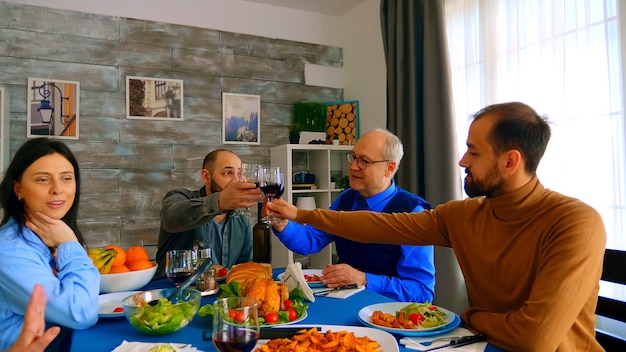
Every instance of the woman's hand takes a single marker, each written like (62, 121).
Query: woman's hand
(51, 232)
(33, 338)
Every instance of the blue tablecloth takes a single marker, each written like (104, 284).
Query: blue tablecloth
(109, 333)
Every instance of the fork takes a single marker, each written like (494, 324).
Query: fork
(428, 343)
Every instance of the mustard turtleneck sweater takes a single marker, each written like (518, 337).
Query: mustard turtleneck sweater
(531, 260)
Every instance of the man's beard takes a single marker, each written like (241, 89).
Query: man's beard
(490, 186)
(214, 187)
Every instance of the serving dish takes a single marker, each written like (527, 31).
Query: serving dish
(386, 341)
(452, 320)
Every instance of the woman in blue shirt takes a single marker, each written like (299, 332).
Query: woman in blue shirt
(40, 242)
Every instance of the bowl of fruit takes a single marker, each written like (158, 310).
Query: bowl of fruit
(122, 270)
(162, 316)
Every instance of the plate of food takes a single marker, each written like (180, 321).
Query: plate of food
(358, 335)
(110, 304)
(312, 276)
(417, 319)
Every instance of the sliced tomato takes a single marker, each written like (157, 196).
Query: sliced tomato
(118, 310)
(416, 318)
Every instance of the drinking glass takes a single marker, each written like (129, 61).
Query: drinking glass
(179, 265)
(272, 184)
(249, 173)
(235, 324)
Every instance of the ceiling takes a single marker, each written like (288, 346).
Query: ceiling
(329, 7)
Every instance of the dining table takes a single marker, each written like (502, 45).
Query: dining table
(108, 333)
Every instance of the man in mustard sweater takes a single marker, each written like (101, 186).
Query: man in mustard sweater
(531, 257)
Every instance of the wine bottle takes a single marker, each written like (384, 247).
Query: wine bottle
(261, 239)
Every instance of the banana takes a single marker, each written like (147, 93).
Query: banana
(102, 258)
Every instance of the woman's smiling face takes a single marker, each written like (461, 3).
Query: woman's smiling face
(48, 186)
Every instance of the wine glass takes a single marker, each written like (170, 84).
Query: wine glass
(249, 173)
(179, 265)
(235, 324)
(272, 185)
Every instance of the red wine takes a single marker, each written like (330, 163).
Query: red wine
(273, 190)
(179, 277)
(236, 340)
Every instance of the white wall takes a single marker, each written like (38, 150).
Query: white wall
(357, 32)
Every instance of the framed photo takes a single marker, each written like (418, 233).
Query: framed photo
(241, 118)
(150, 98)
(53, 108)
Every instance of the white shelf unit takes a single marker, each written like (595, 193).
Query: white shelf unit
(322, 160)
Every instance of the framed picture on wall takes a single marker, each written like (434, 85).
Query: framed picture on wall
(53, 108)
(241, 118)
(149, 98)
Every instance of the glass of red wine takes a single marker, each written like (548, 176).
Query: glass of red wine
(179, 265)
(235, 324)
(272, 184)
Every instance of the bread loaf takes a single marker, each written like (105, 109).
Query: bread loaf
(249, 270)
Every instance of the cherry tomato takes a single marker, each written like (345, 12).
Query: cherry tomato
(241, 316)
(288, 303)
(118, 310)
(416, 318)
(222, 272)
(293, 314)
(271, 318)
(232, 313)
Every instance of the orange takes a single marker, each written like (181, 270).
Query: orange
(140, 264)
(119, 269)
(136, 253)
(120, 259)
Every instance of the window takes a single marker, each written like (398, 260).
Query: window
(562, 57)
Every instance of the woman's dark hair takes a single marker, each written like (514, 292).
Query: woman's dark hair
(28, 153)
(518, 127)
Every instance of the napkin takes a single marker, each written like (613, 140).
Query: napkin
(294, 277)
(341, 293)
(146, 346)
(413, 343)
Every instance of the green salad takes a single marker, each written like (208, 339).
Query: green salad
(296, 309)
(162, 318)
(424, 315)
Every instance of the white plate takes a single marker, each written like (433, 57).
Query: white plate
(386, 341)
(310, 272)
(108, 302)
(451, 319)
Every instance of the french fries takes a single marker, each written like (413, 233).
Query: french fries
(312, 340)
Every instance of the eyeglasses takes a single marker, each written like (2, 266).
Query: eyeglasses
(362, 164)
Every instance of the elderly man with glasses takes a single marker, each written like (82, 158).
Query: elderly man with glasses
(403, 273)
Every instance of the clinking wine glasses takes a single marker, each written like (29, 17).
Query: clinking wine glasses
(249, 173)
(272, 184)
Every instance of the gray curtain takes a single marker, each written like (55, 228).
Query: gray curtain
(419, 112)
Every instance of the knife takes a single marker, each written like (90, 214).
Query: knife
(465, 340)
(283, 333)
(346, 287)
